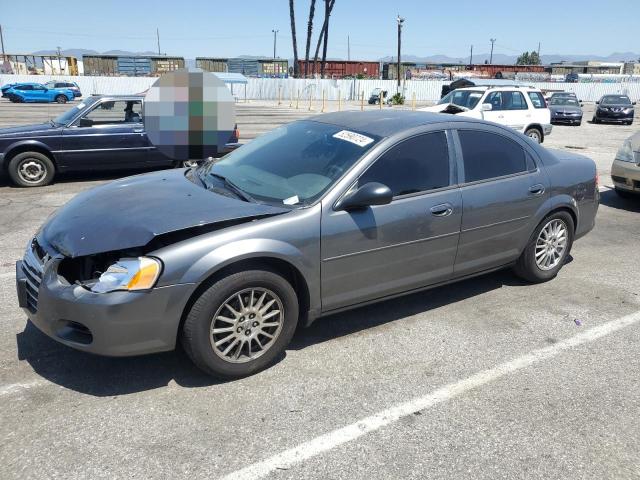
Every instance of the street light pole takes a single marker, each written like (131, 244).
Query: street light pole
(275, 33)
(493, 40)
(400, 22)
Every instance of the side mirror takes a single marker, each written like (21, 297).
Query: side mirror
(486, 107)
(598, 102)
(633, 103)
(372, 193)
(86, 122)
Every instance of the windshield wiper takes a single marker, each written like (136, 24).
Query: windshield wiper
(234, 188)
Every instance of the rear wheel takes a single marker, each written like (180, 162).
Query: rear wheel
(595, 120)
(241, 324)
(534, 134)
(548, 249)
(31, 169)
(61, 99)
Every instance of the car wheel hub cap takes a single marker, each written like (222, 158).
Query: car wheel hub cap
(551, 245)
(31, 171)
(246, 325)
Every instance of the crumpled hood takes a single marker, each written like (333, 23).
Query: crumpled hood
(445, 108)
(24, 129)
(130, 212)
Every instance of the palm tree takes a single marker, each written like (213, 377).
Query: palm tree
(312, 10)
(323, 34)
(293, 36)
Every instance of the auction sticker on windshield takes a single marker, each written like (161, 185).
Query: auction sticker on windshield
(353, 137)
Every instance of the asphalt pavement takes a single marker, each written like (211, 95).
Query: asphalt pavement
(488, 378)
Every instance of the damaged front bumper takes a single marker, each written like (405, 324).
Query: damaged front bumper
(118, 323)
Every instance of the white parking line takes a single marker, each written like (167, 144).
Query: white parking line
(331, 440)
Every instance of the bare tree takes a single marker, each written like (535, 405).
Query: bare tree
(323, 35)
(293, 37)
(312, 11)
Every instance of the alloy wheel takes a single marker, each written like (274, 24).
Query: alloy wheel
(246, 325)
(551, 244)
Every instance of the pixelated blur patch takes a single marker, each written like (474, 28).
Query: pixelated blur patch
(189, 114)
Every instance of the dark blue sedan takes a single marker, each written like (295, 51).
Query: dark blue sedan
(101, 133)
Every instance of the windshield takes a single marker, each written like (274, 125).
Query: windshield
(293, 164)
(564, 101)
(70, 114)
(615, 100)
(463, 98)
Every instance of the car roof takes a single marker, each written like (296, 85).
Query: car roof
(384, 123)
(501, 88)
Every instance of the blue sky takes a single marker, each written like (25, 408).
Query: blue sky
(193, 28)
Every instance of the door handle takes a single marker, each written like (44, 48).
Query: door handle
(442, 210)
(138, 130)
(536, 189)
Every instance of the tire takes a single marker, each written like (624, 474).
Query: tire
(61, 99)
(206, 313)
(579, 123)
(31, 169)
(534, 134)
(527, 267)
(595, 120)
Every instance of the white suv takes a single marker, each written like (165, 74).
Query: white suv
(521, 108)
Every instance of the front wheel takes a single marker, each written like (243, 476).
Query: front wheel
(547, 250)
(61, 99)
(534, 134)
(31, 169)
(241, 324)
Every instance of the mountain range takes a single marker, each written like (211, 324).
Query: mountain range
(498, 58)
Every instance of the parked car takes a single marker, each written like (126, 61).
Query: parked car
(521, 108)
(374, 98)
(36, 92)
(614, 109)
(565, 109)
(57, 84)
(572, 77)
(625, 171)
(459, 83)
(315, 217)
(101, 133)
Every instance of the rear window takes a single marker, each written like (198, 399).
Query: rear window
(489, 155)
(537, 99)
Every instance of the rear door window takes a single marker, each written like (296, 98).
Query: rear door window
(489, 155)
(418, 164)
(514, 101)
(537, 100)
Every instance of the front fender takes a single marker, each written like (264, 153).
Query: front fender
(30, 143)
(233, 252)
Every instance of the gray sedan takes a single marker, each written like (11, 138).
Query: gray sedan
(566, 110)
(313, 218)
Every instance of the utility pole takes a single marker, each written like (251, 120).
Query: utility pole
(539, 60)
(275, 35)
(400, 22)
(348, 48)
(2, 44)
(493, 40)
(158, 37)
(471, 58)
(59, 61)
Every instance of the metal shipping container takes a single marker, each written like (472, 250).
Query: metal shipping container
(212, 64)
(342, 68)
(273, 68)
(160, 65)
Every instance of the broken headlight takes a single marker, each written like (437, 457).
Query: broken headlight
(129, 274)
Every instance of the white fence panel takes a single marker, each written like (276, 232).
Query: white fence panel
(288, 90)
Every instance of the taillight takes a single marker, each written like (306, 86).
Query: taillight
(597, 181)
(236, 133)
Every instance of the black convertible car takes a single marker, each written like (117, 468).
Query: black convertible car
(101, 133)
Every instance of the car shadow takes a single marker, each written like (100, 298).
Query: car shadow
(611, 199)
(108, 376)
